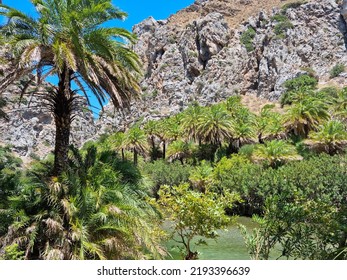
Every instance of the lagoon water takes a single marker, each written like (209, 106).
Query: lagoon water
(228, 246)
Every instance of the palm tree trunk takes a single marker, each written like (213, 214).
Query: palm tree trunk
(135, 157)
(62, 138)
(62, 109)
(153, 154)
(164, 149)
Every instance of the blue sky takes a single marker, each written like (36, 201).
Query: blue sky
(137, 11)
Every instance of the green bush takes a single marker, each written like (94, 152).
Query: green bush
(282, 27)
(10, 175)
(247, 39)
(306, 209)
(280, 18)
(303, 83)
(163, 173)
(337, 70)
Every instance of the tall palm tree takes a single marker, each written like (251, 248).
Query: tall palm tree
(151, 129)
(269, 124)
(330, 137)
(243, 128)
(190, 122)
(67, 40)
(135, 139)
(117, 141)
(215, 124)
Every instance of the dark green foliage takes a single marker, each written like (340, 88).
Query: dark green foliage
(282, 27)
(280, 18)
(9, 180)
(337, 70)
(283, 24)
(303, 84)
(239, 175)
(302, 203)
(163, 173)
(307, 211)
(247, 39)
(86, 213)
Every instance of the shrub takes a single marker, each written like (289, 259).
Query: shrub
(302, 82)
(247, 39)
(337, 70)
(282, 27)
(306, 211)
(163, 173)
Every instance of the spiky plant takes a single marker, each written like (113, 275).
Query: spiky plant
(304, 116)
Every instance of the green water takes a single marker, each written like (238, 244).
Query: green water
(228, 246)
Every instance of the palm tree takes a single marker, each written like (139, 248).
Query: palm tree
(330, 137)
(135, 139)
(269, 124)
(67, 40)
(304, 116)
(243, 128)
(179, 150)
(340, 104)
(117, 141)
(86, 213)
(151, 129)
(275, 153)
(215, 124)
(190, 122)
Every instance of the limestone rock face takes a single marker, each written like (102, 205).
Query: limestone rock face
(200, 55)
(204, 60)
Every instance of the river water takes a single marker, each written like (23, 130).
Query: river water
(228, 246)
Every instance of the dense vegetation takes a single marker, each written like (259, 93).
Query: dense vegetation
(285, 166)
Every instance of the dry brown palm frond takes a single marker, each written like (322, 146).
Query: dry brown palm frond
(53, 227)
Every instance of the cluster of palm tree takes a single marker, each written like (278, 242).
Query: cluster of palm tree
(316, 116)
(90, 212)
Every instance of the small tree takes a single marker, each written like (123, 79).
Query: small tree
(194, 214)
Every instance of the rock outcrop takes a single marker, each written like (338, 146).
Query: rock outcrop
(207, 59)
(204, 53)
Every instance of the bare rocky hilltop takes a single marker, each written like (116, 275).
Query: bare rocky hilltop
(206, 53)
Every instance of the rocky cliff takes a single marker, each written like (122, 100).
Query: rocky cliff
(207, 52)
(204, 53)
